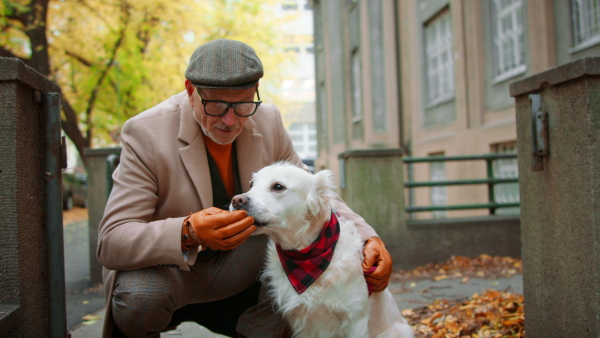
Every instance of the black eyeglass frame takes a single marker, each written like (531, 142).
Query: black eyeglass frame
(230, 105)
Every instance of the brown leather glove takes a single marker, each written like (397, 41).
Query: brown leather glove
(377, 256)
(217, 229)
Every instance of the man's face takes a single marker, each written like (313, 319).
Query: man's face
(225, 128)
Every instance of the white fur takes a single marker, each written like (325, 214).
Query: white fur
(296, 205)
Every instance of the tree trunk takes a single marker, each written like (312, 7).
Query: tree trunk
(34, 21)
(71, 127)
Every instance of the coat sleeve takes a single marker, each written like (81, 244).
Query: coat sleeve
(286, 152)
(128, 238)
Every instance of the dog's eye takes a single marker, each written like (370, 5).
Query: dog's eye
(278, 187)
(251, 184)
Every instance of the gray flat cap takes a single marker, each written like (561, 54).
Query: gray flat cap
(224, 64)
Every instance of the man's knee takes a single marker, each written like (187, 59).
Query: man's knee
(144, 300)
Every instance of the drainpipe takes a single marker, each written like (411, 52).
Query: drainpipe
(405, 147)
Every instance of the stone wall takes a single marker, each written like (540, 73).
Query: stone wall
(98, 180)
(24, 268)
(560, 201)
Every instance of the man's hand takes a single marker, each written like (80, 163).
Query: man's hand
(219, 229)
(377, 256)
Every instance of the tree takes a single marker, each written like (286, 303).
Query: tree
(115, 58)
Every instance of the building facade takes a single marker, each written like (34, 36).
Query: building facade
(431, 77)
(297, 91)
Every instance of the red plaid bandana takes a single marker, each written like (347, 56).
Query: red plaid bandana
(304, 266)
(369, 286)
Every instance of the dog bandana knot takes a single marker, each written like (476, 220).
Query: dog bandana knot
(369, 286)
(303, 267)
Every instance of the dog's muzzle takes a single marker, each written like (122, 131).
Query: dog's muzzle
(242, 202)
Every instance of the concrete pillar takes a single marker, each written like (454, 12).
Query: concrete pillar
(96, 167)
(560, 199)
(372, 184)
(24, 261)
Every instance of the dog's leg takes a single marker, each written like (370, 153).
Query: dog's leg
(359, 329)
(385, 319)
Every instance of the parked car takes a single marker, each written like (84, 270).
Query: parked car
(74, 190)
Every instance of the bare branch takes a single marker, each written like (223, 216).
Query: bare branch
(78, 58)
(94, 94)
(71, 127)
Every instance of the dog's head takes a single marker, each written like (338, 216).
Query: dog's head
(288, 203)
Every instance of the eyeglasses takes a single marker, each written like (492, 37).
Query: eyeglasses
(219, 108)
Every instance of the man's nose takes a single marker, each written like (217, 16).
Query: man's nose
(230, 118)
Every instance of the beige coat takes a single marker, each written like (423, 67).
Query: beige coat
(163, 176)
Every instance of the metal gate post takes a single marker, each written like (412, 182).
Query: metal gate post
(53, 158)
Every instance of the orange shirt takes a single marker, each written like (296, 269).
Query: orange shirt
(222, 156)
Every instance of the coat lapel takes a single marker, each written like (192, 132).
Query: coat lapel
(193, 155)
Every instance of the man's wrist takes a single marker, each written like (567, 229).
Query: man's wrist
(187, 242)
(370, 239)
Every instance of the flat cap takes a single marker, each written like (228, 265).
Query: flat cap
(224, 64)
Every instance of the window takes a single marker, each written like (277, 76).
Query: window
(295, 5)
(506, 168)
(304, 139)
(356, 87)
(289, 5)
(439, 59)
(508, 43)
(586, 22)
(438, 194)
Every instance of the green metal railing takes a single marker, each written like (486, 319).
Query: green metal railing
(490, 181)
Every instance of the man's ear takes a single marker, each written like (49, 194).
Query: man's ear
(189, 88)
(320, 198)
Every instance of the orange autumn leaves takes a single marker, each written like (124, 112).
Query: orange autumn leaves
(493, 314)
(482, 266)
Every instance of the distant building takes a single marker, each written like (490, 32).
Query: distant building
(431, 77)
(298, 87)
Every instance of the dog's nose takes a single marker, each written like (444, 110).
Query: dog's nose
(239, 201)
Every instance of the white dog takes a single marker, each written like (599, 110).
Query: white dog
(294, 208)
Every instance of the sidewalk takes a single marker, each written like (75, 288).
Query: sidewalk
(82, 297)
(85, 300)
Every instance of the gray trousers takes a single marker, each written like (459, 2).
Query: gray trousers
(146, 301)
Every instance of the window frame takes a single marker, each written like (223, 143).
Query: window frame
(438, 194)
(356, 74)
(577, 12)
(515, 37)
(437, 41)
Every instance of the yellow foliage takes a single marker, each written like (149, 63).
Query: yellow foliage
(114, 59)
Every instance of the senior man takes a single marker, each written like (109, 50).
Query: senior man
(169, 250)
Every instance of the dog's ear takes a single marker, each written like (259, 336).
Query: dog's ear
(320, 198)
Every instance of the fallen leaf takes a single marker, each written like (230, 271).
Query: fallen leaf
(489, 314)
(439, 278)
(90, 317)
(482, 266)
